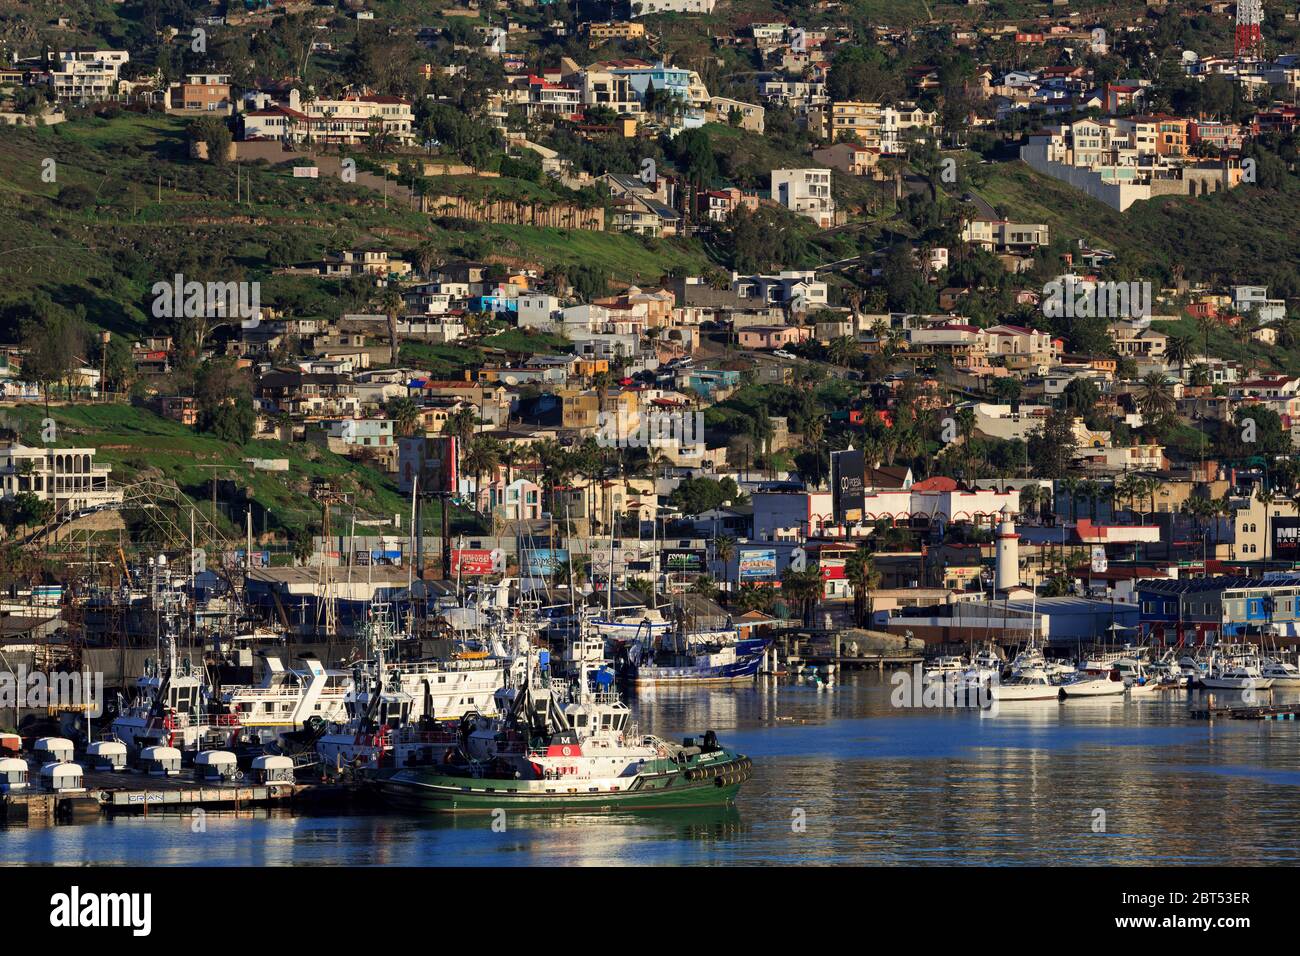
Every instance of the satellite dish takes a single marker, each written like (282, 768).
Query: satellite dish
(1189, 56)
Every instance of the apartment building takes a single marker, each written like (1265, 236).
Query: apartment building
(999, 235)
(204, 91)
(67, 477)
(86, 74)
(855, 121)
(806, 192)
(616, 31)
(354, 118)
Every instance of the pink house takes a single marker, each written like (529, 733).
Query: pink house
(773, 336)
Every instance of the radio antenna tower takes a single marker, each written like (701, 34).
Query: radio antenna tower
(1249, 37)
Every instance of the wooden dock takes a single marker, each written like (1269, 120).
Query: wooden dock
(1249, 712)
(878, 661)
(138, 793)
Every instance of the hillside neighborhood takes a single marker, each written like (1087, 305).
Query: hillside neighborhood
(826, 266)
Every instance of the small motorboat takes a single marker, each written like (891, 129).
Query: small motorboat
(1030, 684)
(1094, 683)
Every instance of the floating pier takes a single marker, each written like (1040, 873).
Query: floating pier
(108, 793)
(1249, 712)
(878, 661)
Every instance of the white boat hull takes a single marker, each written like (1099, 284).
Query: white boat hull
(1101, 687)
(1236, 683)
(1006, 693)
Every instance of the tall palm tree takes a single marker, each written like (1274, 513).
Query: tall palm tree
(1126, 487)
(803, 588)
(1090, 491)
(481, 457)
(814, 432)
(725, 547)
(391, 303)
(461, 425)
(1181, 349)
(511, 455)
(1030, 496)
(860, 569)
(1071, 486)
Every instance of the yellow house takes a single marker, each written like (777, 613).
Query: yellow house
(580, 408)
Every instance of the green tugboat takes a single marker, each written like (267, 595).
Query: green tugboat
(566, 746)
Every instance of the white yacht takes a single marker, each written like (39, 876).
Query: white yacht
(1029, 684)
(1281, 673)
(1094, 683)
(1241, 674)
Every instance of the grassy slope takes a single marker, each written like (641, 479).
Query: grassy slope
(137, 442)
(65, 252)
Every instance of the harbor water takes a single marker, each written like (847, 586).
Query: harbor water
(841, 777)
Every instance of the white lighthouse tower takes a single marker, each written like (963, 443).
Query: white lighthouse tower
(1007, 569)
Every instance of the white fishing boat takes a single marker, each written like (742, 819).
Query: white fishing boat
(288, 698)
(169, 706)
(1281, 673)
(1060, 670)
(1137, 677)
(396, 712)
(1031, 658)
(1236, 674)
(640, 625)
(1030, 684)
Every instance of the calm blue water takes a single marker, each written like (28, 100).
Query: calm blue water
(841, 777)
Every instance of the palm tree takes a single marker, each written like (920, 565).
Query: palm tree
(405, 415)
(860, 569)
(843, 350)
(803, 588)
(426, 257)
(480, 458)
(1126, 487)
(461, 425)
(814, 431)
(1030, 496)
(1091, 491)
(511, 455)
(1157, 398)
(391, 303)
(724, 547)
(1181, 349)
(1071, 486)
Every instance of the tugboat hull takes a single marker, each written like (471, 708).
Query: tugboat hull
(434, 790)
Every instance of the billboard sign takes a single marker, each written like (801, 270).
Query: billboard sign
(757, 565)
(684, 561)
(1286, 538)
(472, 562)
(437, 465)
(544, 562)
(848, 484)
